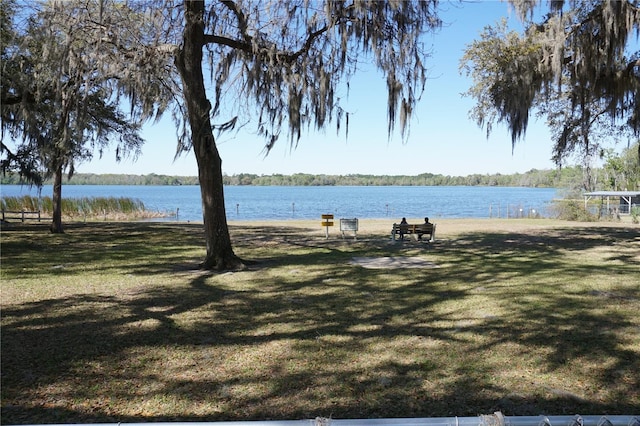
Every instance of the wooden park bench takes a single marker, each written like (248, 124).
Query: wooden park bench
(418, 230)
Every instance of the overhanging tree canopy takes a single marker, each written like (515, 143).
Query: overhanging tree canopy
(283, 60)
(577, 65)
(62, 86)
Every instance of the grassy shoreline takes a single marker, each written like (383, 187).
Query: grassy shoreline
(114, 322)
(83, 208)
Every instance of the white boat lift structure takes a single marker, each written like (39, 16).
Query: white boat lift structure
(624, 199)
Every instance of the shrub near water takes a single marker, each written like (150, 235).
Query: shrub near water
(635, 214)
(90, 207)
(572, 210)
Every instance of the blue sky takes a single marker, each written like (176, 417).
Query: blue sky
(443, 140)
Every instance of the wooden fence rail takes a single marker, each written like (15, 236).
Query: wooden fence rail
(23, 215)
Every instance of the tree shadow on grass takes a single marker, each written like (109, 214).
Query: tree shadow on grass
(326, 338)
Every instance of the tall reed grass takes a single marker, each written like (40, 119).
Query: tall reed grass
(88, 207)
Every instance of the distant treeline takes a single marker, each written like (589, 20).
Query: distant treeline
(533, 179)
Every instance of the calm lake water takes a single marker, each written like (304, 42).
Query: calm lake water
(309, 202)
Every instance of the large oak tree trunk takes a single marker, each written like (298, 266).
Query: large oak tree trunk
(56, 223)
(220, 255)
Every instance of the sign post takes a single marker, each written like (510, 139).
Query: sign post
(327, 221)
(349, 225)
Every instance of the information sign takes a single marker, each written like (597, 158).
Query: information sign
(349, 225)
(327, 221)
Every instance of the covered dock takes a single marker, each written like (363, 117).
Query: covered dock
(620, 200)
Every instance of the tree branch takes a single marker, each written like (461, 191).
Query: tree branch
(226, 41)
(10, 99)
(633, 64)
(243, 26)
(307, 45)
(247, 40)
(246, 46)
(24, 169)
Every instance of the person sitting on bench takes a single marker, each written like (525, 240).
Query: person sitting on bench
(404, 227)
(426, 222)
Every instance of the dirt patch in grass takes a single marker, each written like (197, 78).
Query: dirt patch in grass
(388, 262)
(112, 322)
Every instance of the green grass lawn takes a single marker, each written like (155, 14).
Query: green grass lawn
(115, 323)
